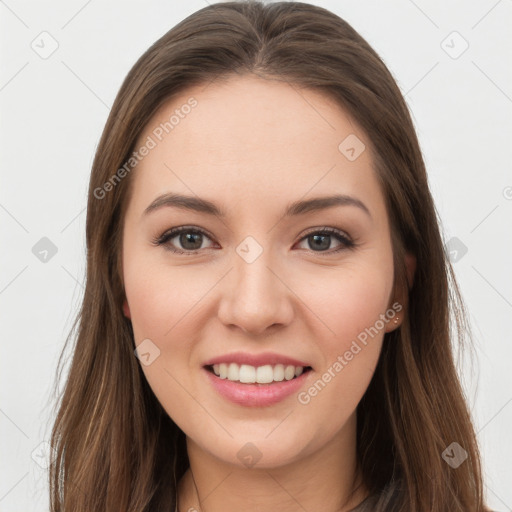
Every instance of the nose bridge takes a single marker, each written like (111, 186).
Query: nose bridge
(255, 298)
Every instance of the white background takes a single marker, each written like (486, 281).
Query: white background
(52, 114)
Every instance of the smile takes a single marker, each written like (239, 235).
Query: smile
(265, 374)
(257, 394)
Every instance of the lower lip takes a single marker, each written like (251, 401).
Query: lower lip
(256, 395)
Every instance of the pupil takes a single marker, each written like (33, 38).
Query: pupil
(190, 237)
(321, 245)
(320, 241)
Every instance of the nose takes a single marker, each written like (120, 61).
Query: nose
(255, 297)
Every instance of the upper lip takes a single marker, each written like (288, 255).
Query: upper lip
(256, 360)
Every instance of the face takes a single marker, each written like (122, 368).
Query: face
(313, 285)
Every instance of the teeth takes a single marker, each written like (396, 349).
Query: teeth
(262, 374)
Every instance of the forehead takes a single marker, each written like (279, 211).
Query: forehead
(246, 139)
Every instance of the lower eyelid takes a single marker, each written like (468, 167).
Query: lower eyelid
(344, 240)
(167, 237)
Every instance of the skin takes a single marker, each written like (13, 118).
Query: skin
(253, 146)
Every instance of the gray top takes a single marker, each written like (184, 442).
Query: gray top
(378, 501)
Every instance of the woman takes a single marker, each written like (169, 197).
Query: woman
(266, 316)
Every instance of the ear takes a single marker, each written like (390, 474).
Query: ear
(126, 309)
(402, 296)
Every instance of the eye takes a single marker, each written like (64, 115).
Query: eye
(189, 238)
(321, 239)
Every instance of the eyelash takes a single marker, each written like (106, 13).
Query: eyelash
(346, 242)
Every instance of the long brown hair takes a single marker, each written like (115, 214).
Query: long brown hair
(116, 448)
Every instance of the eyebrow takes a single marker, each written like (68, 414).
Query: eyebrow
(295, 208)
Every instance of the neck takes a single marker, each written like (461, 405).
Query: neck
(327, 480)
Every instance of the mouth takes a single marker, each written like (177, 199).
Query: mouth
(261, 375)
(261, 386)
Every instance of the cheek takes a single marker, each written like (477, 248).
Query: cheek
(350, 333)
(347, 303)
(161, 300)
(158, 297)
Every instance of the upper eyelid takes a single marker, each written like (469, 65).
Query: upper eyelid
(174, 232)
(329, 230)
(179, 229)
